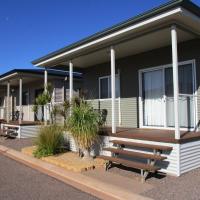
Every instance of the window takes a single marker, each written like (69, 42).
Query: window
(185, 74)
(1, 102)
(105, 87)
(25, 98)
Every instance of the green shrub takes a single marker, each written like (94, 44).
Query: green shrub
(49, 141)
(84, 125)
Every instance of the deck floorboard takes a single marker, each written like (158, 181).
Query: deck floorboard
(157, 135)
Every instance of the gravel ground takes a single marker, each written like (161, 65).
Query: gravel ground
(185, 187)
(16, 144)
(20, 182)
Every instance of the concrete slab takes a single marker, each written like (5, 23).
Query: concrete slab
(129, 184)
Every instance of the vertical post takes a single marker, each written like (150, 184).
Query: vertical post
(20, 100)
(45, 79)
(8, 102)
(175, 80)
(112, 56)
(45, 89)
(70, 81)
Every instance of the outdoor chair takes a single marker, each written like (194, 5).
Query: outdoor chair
(16, 115)
(103, 116)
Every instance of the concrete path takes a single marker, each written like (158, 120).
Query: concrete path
(85, 183)
(124, 183)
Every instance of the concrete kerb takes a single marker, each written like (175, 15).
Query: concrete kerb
(84, 183)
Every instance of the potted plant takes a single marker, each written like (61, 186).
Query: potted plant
(43, 100)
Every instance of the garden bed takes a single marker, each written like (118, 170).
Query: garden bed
(68, 160)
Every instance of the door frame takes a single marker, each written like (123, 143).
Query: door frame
(141, 116)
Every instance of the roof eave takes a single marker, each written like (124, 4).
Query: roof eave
(172, 4)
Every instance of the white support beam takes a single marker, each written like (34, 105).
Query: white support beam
(20, 100)
(45, 89)
(175, 80)
(70, 81)
(112, 57)
(45, 79)
(8, 102)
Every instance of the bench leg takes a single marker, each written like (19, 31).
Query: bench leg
(108, 165)
(144, 175)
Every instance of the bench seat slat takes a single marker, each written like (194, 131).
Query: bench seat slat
(135, 154)
(132, 164)
(142, 145)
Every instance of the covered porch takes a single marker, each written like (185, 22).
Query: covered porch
(167, 31)
(21, 87)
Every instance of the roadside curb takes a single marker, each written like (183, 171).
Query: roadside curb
(84, 183)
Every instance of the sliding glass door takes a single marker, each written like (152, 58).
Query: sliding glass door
(158, 100)
(153, 104)
(186, 96)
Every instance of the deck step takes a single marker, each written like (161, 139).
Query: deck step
(135, 154)
(142, 145)
(132, 164)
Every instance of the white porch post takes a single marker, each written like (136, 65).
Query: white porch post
(175, 80)
(20, 100)
(8, 102)
(45, 79)
(112, 57)
(45, 89)
(70, 81)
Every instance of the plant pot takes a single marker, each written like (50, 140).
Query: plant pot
(86, 154)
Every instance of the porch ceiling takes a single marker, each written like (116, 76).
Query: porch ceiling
(136, 45)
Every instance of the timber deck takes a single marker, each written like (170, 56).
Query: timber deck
(157, 135)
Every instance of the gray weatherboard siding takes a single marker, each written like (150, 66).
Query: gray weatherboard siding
(129, 80)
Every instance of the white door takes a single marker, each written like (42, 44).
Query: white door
(153, 104)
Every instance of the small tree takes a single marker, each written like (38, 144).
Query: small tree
(43, 100)
(83, 124)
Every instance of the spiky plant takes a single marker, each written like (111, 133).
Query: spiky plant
(49, 141)
(83, 124)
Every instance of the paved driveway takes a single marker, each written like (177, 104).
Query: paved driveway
(19, 182)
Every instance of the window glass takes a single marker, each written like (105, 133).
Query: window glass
(185, 76)
(25, 98)
(104, 93)
(105, 87)
(1, 101)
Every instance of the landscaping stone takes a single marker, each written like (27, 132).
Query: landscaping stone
(69, 160)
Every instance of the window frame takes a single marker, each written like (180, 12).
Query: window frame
(117, 86)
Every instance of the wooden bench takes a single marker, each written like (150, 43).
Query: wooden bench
(9, 132)
(151, 158)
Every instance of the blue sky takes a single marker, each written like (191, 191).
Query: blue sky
(30, 29)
